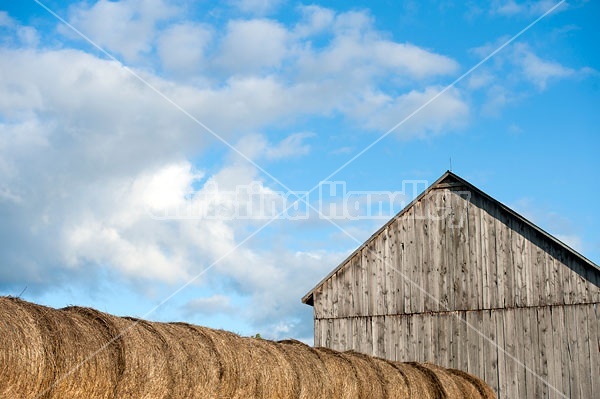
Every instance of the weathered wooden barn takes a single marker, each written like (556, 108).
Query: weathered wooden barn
(459, 279)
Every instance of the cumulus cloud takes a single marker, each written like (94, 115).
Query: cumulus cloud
(181, 48)
(111, 223)
(260, 274)
(106, 110)
(98, 113)
(91, 157)
(315, 20)
(249, 46)
(81, 222)
(448, 111)
(264, 70)
(132, 24)
(355, 43)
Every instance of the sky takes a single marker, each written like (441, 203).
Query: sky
(151, 150)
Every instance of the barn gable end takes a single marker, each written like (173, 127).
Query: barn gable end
(459, 279)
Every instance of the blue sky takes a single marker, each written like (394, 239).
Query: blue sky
(175, 105)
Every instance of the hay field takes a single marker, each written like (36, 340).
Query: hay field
(78, 352)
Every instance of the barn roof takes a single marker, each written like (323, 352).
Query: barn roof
(450, 179)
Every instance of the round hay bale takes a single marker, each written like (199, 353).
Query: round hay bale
(146, 373)
(193, 359)
(439, 383)
(80, 352)
(83, 350)
(342, 373)
(472, 386)
(234, 381)
(310, 375)
(23, 362)
(397, 384)
(370, 379)
(417, 385)
(275, 375)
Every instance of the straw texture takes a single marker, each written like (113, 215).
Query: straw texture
(79, 352)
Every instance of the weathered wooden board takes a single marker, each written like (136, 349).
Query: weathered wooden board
(449, 259)
(593, 317)
(545, 352)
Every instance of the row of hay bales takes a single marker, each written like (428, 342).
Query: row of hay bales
(80, 352)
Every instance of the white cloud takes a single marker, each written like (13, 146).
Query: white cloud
(103, 109)
(94, 110)
(249, 46)
(412, 60)
(66, 224)
(540, 71)
(111, 225)
(479, 79)
(26, 36)
(518, 62)
(257, 147)
(166, 187)
(88, 153)
(448, 111)
(353, 23)
(215, 304)
(182, 48)
(315, 20)
(258, 71)
(513, 73)
(5, 19)
(292, 146)
(131, 24)
(371, 56)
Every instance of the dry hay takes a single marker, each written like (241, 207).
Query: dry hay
(83, 353)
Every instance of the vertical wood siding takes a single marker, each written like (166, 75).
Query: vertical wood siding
(472, 256)
(534, 352)
(456, 260)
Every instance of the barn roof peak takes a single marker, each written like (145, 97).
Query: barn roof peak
(447, 180)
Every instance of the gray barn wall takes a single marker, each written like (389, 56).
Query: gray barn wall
(473, 259)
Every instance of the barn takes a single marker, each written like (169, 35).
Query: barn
(460, 280)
